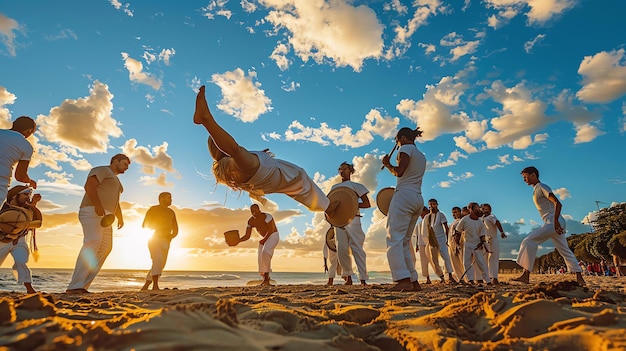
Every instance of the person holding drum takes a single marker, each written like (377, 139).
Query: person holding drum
(258, 172)
(266, 227)
(19, 214)
(405, 207)
(101, 201)
(350, 238)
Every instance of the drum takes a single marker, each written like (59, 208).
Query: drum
(232, 237)
(347, 208)
(383, 199)
(330, 239)
(14, 223)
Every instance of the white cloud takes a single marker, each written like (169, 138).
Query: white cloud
(562, 193)
(279, 55)
(432, 114)
(248, 6)
(161, 180)
(289, 87)
(242, 97)
(6, 98)
(322, 31)
(374, 124)
(397, 6)
(85, 123)
(540, 12)
(8, 26)
(586, 133)
(402, 41)
(529, 45)
(623, 119)
(217, 7)
(166, 54)
(520, 116)
(150, 160)
(136, 74)
(124, 7)
(64, 34)
(604, 77)
(428, 48)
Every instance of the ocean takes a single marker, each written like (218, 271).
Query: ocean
(56, 280)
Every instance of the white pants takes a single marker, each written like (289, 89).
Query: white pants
(351, 239)
(20, 254)
(443, 252)
(265, 253)
(426, 254)
(97, 244)
(404, 209)
(479, 257)
(159, 248)
(530, 244)
(456, 259)
(334, 267)
(493, 257)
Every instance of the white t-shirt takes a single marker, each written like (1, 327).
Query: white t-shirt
(414, 173)
(473, 228)
(279, 176)
(358, 188)
(13, 148)
(436, 221)
(490, 225)
(543, 204)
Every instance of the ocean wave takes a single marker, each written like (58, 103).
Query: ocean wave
(206, 277)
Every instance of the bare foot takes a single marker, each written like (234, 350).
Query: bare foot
(524, 278)
(348, 281)
(363, 282)
(156, 288)
(403, 285)
(416, 286)
(202, 109)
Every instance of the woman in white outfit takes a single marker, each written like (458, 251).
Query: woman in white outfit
(404, 209)
(256, 172)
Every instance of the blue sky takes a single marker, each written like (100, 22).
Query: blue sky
(496, 85)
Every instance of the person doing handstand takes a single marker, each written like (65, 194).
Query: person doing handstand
(256, 172)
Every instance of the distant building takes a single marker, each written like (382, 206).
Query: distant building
(509, 266)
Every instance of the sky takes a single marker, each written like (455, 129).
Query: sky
(496, 86)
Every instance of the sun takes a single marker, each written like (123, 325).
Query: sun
(130, 247)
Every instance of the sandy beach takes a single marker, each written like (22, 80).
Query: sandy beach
(552, 313)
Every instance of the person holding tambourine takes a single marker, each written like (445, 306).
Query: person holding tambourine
(404, 209)
(96, 215)
(19, 216)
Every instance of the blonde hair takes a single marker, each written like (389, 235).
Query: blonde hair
(220, 171)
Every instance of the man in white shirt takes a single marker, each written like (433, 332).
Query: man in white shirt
(15, 149)
(493, 225)
(437, 221)
(351, 237)
(549, 208)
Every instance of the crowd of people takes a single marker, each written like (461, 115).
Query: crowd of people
(468, 247)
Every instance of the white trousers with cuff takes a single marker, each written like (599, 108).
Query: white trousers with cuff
(20, 253)
(404, 210)
(530, 245)
(97, 244)
(159, 248)
(265, 253)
